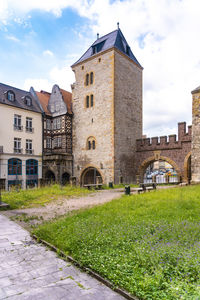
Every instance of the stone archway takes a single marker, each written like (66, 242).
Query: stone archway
(151, 159)
(91, 175)
(187, 168)
(65, 178)
(49, 177)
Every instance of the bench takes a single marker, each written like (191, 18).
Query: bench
(93, 185)
(146, 187)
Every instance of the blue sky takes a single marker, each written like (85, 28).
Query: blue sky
(40, 40)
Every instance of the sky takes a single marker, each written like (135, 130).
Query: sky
(40, 40)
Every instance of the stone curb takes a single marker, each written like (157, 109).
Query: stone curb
(87, 270)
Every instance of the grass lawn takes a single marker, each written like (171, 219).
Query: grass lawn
(40, 196)
(149, 244)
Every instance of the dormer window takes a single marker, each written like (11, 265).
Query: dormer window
(27, 101)
(11, 96)
(98, 47)
(127, 50)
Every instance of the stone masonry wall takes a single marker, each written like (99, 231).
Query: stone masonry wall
(96, 121)
(195, 161)
(128, 116)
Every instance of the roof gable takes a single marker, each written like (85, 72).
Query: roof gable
(56, 103)
(113, 39)
(20, 98)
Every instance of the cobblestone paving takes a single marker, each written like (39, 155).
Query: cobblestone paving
(30, 271)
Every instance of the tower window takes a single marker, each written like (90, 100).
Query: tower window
(127, 50)
(87, 79)
(91, 77)
(98, 47)
(91, 143)
(89, 101)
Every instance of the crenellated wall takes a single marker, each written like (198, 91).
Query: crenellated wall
(166, 142)
(174, 149)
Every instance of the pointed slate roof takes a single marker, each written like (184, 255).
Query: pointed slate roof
(196, 90)
(113, 39)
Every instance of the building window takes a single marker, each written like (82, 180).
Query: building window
(17, 122)
(29, 149)
(14, 166)
(91, 78)
(91, 143)
(48, 122)
(17, 145)
(48, 142)
(57, 123)
(57, 142)
(87, 79)
(28, 101)
(98, 47)
(29, 124)
(31, 167)
(127, 50)
(11, 96)
(89, 101)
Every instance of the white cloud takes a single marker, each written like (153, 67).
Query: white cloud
(64, 77)
(48, 53)
(163, 36)
(12, 38)
(38, 84)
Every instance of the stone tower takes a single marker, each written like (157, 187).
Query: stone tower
(195, 159)
(107, 107)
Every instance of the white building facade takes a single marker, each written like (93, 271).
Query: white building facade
(20, 138)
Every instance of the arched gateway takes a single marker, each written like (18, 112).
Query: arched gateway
(49, 177)
(175, 151)
(91, 176)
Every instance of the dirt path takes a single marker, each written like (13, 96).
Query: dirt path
(36, 215)
(33, 216)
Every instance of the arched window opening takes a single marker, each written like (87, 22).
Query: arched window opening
(91, 143)
(14, 166)
(91, 78)
(31, 167)
(87, 79)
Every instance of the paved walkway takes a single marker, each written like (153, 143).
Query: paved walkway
(30, 271)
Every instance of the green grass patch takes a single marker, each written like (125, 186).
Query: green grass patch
(148, 244)
(41, 196)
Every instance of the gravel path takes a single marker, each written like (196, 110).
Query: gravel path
(63, 206)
